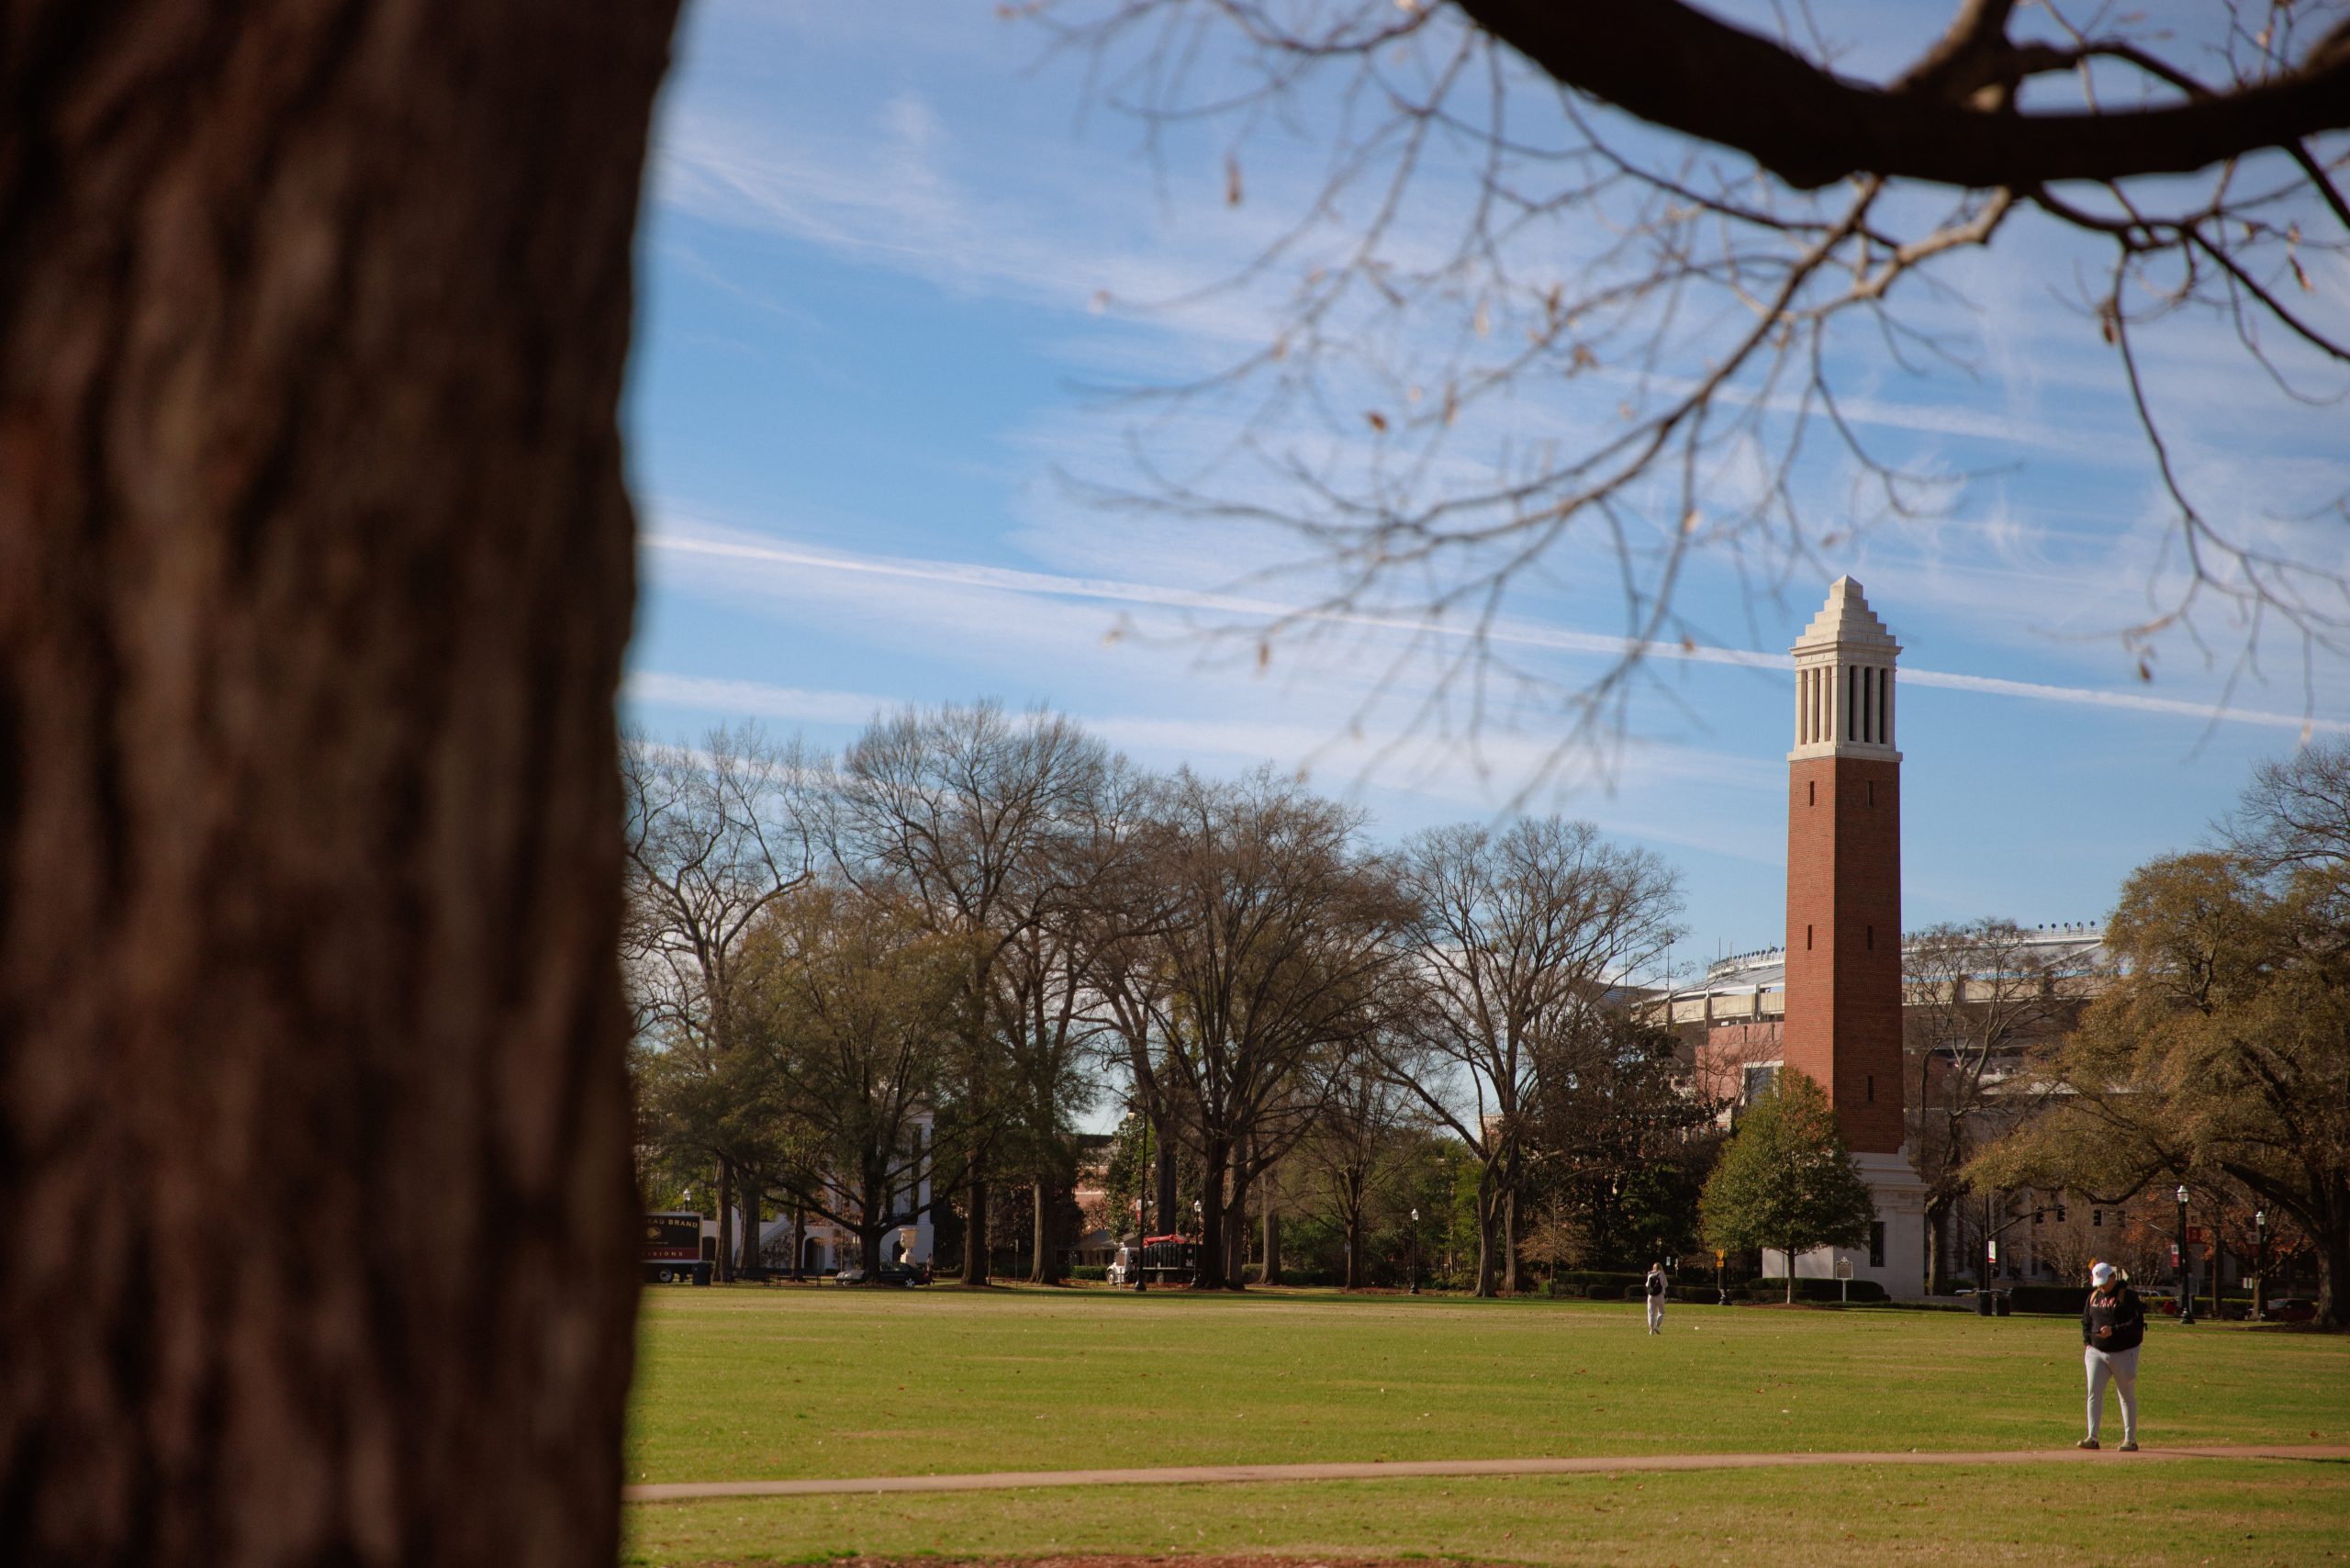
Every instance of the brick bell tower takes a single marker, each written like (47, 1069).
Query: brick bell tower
(1844, 975)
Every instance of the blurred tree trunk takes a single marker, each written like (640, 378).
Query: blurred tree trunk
(1272, 1274)
(316, 569)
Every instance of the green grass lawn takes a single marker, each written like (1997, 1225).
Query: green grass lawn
(749, 1384)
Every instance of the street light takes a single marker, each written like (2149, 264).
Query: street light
(1415, 1252)
(2260, 1266)
(1140, 1262)
(2185, 1294)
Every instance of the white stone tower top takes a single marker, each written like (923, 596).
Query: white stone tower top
(1844, 680)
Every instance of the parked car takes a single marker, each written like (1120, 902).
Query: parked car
(899, 1274)
(2292, 1309)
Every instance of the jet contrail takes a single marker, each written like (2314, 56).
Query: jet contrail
(1113, 591)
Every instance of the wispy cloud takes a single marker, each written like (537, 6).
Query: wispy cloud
(755, 699)
(1108, 591)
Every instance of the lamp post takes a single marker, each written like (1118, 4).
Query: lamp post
(2185, 1293)
(1140, 1261)
(2260, 1266)
(1415, 1252)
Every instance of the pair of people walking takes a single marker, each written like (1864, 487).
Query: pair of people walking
(2113, 1325)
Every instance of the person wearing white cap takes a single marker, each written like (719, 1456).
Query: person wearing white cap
(2113, 1324)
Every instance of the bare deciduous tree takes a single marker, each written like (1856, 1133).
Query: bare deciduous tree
(1368, 1124)
(1979, 995)
(974, 812)
(713, 837)
(1516, 937)
(850, 998)
(1274, 939)
(1535, 213)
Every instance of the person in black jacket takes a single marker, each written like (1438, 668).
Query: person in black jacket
(2113, 1324)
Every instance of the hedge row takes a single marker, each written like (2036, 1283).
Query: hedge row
(1251, 1273)
(1817, 1289)
(2066, 1299)
(1595, 1284)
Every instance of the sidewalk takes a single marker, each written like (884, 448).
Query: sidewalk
(1010, 1479)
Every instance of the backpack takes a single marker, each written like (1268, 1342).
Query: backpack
(1656, 1284)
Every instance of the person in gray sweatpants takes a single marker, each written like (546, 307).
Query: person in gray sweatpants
(2113, 1325)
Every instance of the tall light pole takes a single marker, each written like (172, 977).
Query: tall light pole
(2260, 1266)
(2185, 1293)
(1415, 1252)
(1140, 1261)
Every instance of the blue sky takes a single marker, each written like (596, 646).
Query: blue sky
(892, 254)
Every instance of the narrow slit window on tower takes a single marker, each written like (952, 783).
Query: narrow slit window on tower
(1807, 938)
(1868, 705)
(1872, 791)
(1885, 708)
(1870, 1082)
(1852, 707)
(1868, 938)
(1812, 796)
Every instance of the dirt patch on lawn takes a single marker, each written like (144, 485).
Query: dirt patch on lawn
(1118, 1561)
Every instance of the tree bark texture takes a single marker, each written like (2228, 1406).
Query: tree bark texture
(1215, 1159)
(1509, 1243)
(1675, 66)
(1272, 1274)
(1045, 1267)
(726, 1199)
(1489, 1240)
(976, 1241)
(1938, 1215)
(1163, 1180)
(1354, 1235)
(315, 574)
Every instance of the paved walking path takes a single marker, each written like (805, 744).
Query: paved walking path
(1008, 1480)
